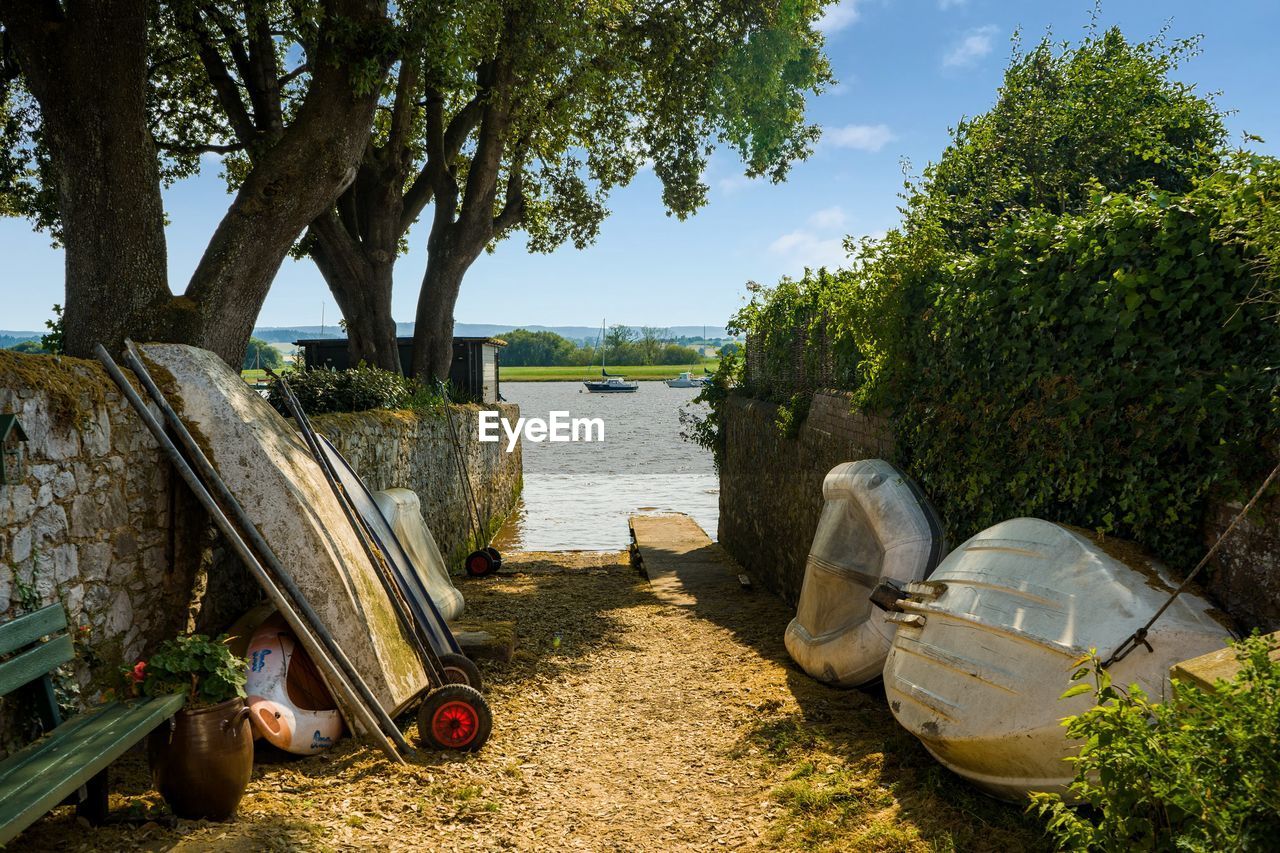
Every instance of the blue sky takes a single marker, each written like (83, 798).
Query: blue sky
(907, 70)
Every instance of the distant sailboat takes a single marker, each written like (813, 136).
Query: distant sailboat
(612, 383)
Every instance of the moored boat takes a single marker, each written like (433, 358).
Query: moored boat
(685, 380)
(986, 647)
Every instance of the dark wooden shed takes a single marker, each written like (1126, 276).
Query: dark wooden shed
(474, 370)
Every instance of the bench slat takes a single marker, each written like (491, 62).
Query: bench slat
(39, 777)
(29, 665)
(28, 628)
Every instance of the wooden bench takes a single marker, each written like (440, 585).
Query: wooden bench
(68, 764)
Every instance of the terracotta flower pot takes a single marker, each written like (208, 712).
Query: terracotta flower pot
(202, 761)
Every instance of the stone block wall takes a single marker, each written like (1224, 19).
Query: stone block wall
(771, 486)
(771, 496)
(102, 524)
(415, 451)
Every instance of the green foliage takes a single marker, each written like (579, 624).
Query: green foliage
(28, 347)
(1067, 323)
(1198, 772)
(525, 348)
(356, 389)
(707, 429)
(55, 341)
(202, 668)
(260, 355)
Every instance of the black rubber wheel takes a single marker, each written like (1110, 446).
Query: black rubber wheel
(460, 669)
(479, 564)
(497, 557)
(454, 717)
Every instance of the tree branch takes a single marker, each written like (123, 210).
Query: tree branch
(220, 78)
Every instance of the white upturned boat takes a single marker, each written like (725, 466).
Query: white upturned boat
(986, 646)
(876, 525)
(403, 512)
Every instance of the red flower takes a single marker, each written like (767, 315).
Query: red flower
(139, 671)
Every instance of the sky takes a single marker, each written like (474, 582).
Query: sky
(907, 70)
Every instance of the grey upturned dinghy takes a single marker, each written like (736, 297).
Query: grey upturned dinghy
(986, 646)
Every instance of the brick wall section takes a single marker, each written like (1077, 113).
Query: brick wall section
(771, 486)
(771, 495)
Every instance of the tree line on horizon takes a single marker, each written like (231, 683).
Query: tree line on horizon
(339, 125)
(622, 346)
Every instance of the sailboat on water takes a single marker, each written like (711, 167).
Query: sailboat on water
(611, 383)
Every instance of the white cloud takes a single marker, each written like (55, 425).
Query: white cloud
(971, 47)
(828, 217)
(946, 5)
(863, 137)
(838, 16)
(805, 248)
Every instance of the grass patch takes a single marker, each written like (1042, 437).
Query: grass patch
(579, 373)
(854, 781)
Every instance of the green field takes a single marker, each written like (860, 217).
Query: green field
(578, 373)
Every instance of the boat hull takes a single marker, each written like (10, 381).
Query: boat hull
(271, 473)
(1002, 624)
(875, 525)
(604, 389)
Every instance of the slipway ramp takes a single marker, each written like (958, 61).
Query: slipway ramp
(680, 560)
(269, 470)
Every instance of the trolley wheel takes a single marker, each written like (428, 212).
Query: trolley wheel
(497, 557)
(454, 717)
(480, 563)
(460, 669)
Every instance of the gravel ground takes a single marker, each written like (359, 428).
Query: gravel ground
(622, 724)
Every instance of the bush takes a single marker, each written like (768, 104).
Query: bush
(357, 389)
(1196, 773)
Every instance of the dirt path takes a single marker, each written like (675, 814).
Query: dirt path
(624, 723)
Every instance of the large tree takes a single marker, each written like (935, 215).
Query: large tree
(509, 115)
(106, 99)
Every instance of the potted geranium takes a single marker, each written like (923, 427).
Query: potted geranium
(202, 761)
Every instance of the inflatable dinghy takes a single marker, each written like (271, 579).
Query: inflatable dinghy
(289, 704)
(403, 513)
(987, 645)
(876, 525)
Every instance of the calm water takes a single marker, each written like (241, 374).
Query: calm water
(577, 496)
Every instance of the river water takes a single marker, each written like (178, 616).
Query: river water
(578, 495)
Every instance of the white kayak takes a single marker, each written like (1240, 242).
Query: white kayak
(403, 512)
(289, 704)
(987, 645)
(875, 525)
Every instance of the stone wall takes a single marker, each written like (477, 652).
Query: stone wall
(102, 524)
(771, 495)
(415, 451)
(771, 486)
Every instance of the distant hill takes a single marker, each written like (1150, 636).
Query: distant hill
(10, 338)
(479, 330)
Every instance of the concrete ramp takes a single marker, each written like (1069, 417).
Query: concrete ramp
(680, 560)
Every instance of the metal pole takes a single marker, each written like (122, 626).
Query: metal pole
(344, 694)
(416, 631)
(250, 531)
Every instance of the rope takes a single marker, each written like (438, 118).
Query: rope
(1139, 637)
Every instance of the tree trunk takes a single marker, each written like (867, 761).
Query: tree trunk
(433, 325)
(361, 285)
(290, 184)
(87, 68)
